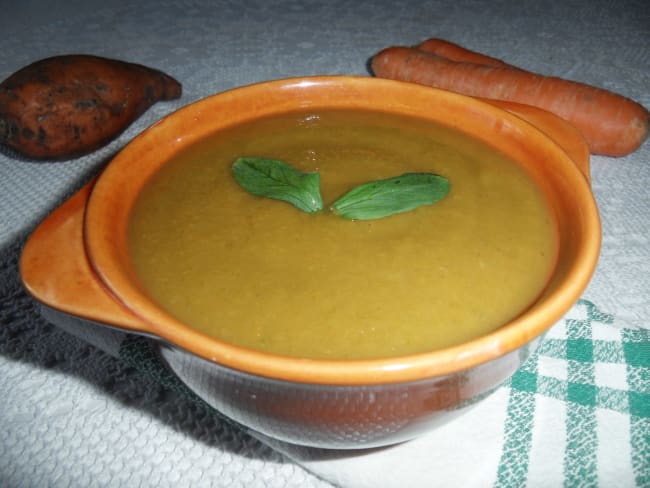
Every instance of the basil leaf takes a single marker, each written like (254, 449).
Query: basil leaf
(271, 178)
(390, 196)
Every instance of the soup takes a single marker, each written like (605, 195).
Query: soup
(264, 275)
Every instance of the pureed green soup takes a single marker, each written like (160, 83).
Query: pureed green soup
(264, 275)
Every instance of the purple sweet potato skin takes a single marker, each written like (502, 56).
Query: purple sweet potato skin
(68, 106)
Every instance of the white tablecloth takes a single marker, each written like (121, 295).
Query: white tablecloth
(71, 415)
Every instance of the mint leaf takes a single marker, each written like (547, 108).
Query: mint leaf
(276, 179)
(382, 198)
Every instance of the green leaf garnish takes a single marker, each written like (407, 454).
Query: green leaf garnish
(390, 196)
(271, 178)
(276, 179)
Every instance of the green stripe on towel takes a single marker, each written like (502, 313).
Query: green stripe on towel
(580, 461)
(518, 430)
(636, 344)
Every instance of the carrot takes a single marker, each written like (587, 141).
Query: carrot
(612, 124)
(67, 106)
(454, 52)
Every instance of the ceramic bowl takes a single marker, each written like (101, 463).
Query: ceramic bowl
(77, 263)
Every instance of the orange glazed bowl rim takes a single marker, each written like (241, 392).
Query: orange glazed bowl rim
(112, 198)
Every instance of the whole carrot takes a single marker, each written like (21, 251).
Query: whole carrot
(454, 52)
(613, 125)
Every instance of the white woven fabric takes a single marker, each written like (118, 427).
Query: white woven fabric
(71, 415)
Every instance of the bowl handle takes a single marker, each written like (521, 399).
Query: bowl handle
(565, 135)
(55, 270)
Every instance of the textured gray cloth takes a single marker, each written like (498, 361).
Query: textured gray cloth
(72, 415)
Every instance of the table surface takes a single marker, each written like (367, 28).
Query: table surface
(75, 417)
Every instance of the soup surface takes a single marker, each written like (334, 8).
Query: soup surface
(264, 275)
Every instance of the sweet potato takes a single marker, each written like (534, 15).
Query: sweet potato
(67, 106)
